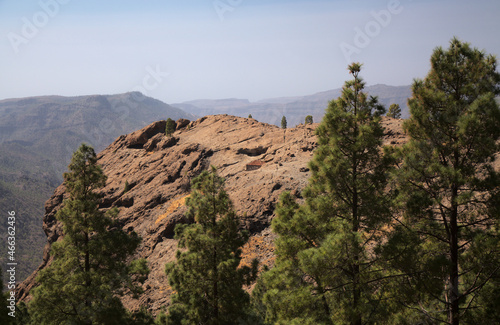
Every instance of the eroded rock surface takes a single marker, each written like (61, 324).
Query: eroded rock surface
(158, 170)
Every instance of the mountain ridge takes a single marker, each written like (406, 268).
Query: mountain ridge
(294, 108)
(158, 170)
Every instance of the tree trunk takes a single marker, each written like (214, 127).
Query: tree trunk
(355, 268)
(216, 293)
(357, 318)
(215, 266)
(88, 300)
(453, 311)
(326, 308)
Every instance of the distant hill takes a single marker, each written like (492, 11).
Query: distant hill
(37, 138)
(54, 126)
(294, 108)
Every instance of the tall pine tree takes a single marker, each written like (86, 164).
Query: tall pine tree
(207, 276)
(325, 271)
(449, 190)
(89, 272)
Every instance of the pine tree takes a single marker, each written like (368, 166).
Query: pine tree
(394, 111)
(170, 127)
(308, 119)
(250, 116)
(449, 190)
(140, 317)
(206, 276)
(325, 269)
(283, 122)
(89, 272)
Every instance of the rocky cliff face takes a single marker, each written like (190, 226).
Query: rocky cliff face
(158, 170)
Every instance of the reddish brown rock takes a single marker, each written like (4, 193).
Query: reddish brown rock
(138, 139)
(393, 133)
(159, 169)
(181, 123)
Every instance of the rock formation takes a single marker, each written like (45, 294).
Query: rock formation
(158, 170)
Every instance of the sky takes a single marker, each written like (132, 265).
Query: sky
(178, 51)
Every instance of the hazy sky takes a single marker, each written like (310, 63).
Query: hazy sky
(182, 50)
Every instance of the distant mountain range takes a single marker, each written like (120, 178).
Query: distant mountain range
(294, 108)
(37, 138)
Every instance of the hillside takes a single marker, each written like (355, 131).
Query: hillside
(294, 108)
(159, 169)
(54, 126)
(38, 136)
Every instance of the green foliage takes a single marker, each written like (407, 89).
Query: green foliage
(488, 300)
(140, 317)
(308, 119)
(22, 314)
(170, 127)
(206, 276)
(161, 318)
(394, 111)
(126, 188)
(326, 272)
(283, 122)
(250, 116)
(449, 192)
(89, 272)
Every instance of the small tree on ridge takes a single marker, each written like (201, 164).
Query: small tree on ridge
(169, 127)
(394, 111)
(283, 122)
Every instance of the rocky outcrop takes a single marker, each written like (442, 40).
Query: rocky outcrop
(158, 170)
(138, 139)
